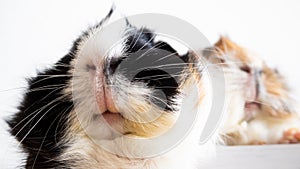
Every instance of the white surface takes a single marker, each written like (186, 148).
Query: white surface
(34, 34)
(257, 157)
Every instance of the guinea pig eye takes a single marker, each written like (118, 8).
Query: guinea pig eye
(246, 69)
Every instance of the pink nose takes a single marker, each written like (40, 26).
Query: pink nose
(104, 97)
(251, 92)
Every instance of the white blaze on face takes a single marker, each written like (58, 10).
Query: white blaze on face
(91, 95)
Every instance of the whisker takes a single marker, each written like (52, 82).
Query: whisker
(43, 141)
(145, 77)
(165, 57)
(146, 43)
(11, 89)
(42, 108)
(58, 75)
(38, 109)
(63, 65)
(161, 66)
(228, 63)
(138, 37)
(33, 125)
(163, 77)
(56, 129)
(154, 97)
(135, 33)
(152, 48)
(49, 77)
(48, 87)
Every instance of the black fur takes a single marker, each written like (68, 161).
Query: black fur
(141, 43)
(41, 121)
(42, 118)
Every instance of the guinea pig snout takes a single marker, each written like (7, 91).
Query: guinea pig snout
(104, 96)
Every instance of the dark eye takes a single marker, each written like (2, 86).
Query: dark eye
(246, 69)
(113, 64)
(161, 80)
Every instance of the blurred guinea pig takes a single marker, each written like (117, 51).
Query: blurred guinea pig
(260, 108)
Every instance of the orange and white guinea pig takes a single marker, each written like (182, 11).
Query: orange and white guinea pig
(260, 108)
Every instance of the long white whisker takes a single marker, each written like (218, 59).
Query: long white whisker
(47, 88)
(153, 47)
(17, 88)
(43, 141)
(34, 124)
(146, 43)
(138, 37)
(56, 129)
(49, 77)
(165, 57)
(38, 111)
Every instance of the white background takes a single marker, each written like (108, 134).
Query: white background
(34, 34)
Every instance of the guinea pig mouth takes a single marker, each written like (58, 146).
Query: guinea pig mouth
(112, 117)
(252, 94)
(252, 105)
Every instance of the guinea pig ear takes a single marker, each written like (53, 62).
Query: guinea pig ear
(217, 53)
(108, 16)
(225, 44)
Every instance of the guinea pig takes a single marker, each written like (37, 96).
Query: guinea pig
(260, 108)
(86, 109)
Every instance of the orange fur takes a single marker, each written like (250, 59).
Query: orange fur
(275, 106)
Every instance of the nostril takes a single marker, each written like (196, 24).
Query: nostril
(113, 64)
(90, 67)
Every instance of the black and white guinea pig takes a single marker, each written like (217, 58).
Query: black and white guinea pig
(84, 100)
